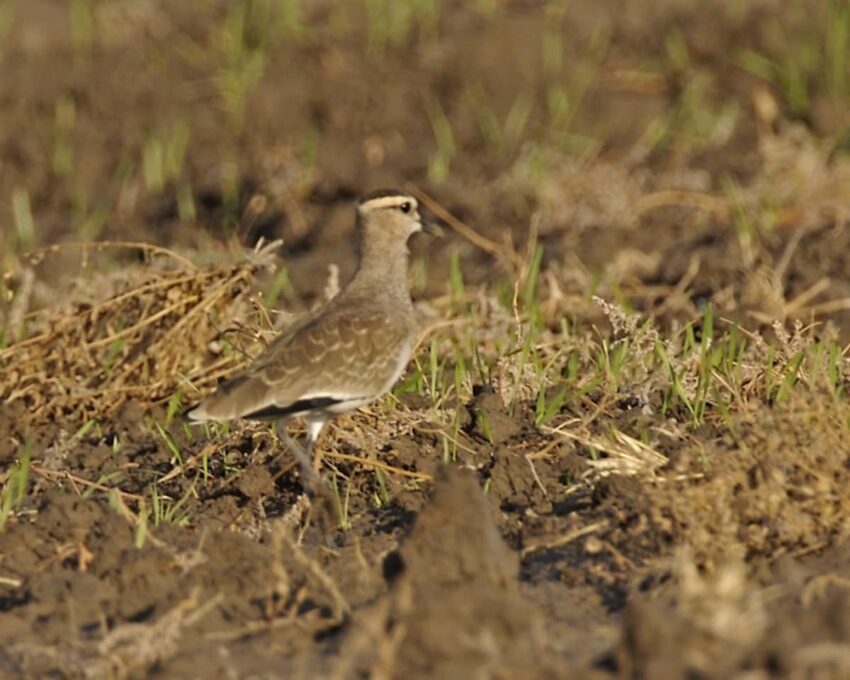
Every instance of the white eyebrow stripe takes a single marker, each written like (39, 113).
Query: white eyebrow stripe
(388, 202)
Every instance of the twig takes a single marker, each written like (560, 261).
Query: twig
(682, 286)
(717, 205)
(378, 464)
(828, 307)
(467, 232)
(799, 302)
(64, 474)
(566, 538)
(39, 253)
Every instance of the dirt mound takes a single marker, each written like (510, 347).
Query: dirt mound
(724, 625)
(454, 608)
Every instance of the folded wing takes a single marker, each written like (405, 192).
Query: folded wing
(333, 362)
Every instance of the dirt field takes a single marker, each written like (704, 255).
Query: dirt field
(623, 447)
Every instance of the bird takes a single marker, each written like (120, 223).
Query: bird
(345, 354)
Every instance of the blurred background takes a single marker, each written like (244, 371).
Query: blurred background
(652, 147)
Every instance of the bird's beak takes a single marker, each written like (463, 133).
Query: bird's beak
(431, 228)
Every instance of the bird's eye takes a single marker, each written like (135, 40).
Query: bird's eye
(405, 207)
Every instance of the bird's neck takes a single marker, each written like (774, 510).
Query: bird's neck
(382, 272)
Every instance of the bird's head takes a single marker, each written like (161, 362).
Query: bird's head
(390, 214)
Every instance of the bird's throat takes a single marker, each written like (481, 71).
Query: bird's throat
(383, 271)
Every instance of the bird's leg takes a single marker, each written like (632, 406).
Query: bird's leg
(314, 429)
(303, 458)
(311, 480)
(320, 487)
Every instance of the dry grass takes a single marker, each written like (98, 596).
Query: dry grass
(143, 343)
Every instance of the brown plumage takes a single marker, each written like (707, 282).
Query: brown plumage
(345, 354)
